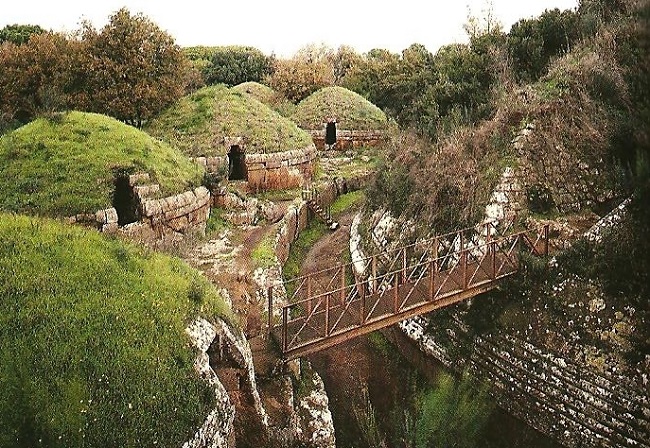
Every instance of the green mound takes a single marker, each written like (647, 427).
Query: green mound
(351, 110)
(198, 123)
(260, 92)
(268, 96)
(67, 164)
(94, 351)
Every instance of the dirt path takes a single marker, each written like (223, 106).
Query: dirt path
(227, 262)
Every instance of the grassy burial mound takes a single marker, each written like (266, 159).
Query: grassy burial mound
(94, 351)
(69, 164)
(351, 110)
(260, 92)
(198, 124)
(268, 96)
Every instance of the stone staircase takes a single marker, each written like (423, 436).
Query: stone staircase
(324, 215)
(576, 406)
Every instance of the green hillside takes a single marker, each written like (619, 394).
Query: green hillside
(67, 164)
(260, 92)
(268, 96)
(198, 123)
(351, 110)
(94, 351)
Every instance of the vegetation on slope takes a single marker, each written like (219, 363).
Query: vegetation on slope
(583, 116)
(198, 123)
(268, 96)
(350, 109)
(94, 351)
(66, 164)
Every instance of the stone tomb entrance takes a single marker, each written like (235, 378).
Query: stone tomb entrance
(124, 200)
(330, 133)
(237, 163)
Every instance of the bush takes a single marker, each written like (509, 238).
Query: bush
(453, 413)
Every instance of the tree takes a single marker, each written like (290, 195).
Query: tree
(343, 61)
(38, 76)
(234, 65)
(371, 77)
(307, 71)
(19, 34)
(532, 43)
(134, 68)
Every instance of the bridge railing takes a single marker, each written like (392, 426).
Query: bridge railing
(336, 300)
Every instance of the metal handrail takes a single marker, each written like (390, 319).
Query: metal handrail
(333, 304)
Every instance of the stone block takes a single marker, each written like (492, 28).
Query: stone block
(202, 192)
(111, 216)
(179, 224)
(303, 217)
(291, 223)
(110, 227)
(138, 178)
(100, 216)
(144, 191)
(152, 208)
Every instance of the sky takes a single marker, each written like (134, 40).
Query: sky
(282, 27)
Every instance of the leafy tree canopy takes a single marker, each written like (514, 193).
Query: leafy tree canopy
(234, 65)
(19, 34)
(306, 72)
(133, 68)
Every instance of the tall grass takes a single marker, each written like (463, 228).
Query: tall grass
(93, 350)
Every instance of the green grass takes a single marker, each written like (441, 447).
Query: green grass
(299, 249)
(288, 194)
(347, 201)
(260, 92)
(264, 254)
(66, 164)
(216, 222)
(351, 110)
(94, 351)
(198, 123)
(268, 96)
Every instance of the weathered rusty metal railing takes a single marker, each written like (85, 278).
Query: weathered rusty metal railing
(333, 305)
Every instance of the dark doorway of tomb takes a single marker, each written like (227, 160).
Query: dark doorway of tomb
(236, 163)
(124, 201)
(330, 133)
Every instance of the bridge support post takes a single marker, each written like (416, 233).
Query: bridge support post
(404, 274)
(432, 277)
(374, 273)
(362, 303)
(327, 315)
(464, 261)
(493, 249)
(396, 294)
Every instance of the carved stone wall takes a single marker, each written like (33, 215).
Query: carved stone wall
(272, 171)
(184, 213)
